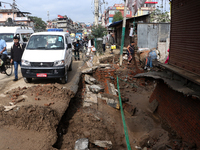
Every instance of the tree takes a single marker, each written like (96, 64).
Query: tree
(98, 32)
(117, 16)
(157, 16)
(39, 24)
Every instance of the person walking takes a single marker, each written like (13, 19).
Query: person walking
(111, 42)
(77, 46)
(131, 52)
(3, 52)
(104, 43)
(16, 55)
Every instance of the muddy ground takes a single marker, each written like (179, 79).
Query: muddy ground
(97, 122)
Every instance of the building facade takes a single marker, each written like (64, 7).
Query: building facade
(147, 8)
(110, 12)
(18, 17)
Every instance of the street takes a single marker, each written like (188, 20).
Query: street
(19, 132)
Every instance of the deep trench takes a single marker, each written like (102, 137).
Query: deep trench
(74, 105)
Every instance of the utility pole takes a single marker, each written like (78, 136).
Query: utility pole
(123, 32)
(13, 9)
(96, 12)
(48, 15)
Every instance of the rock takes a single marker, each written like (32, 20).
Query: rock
(113, 90)
(111, 100)
(104, 65)
(86, 134)
(129, 108)
(103, 144)
(87, 70)
(96, 88)
(81, 144)
(153, 105)
(90, 80)
(90, 98)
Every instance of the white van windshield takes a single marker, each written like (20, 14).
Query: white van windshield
(8, 37)
(47, 42)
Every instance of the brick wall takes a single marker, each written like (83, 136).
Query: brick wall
(181, 112)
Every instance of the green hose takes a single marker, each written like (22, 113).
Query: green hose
(123, 118)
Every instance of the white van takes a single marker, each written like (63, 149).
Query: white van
(7, 33)
(47, 55)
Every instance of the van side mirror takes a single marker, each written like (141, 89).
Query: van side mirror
(69, 45)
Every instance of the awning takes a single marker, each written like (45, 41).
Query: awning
(115, 23)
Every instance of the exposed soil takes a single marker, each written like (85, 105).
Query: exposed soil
(38, 109)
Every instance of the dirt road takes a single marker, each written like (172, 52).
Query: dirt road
(39, 106)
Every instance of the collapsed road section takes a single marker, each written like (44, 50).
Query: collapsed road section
(30, 113)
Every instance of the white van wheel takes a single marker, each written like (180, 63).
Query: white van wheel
(64, 79)
(27, 80)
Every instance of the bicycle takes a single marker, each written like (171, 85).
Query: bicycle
(8, 66)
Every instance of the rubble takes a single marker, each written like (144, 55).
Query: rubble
(110, 100)
(103, 144)
(96, 88)
(81, 144)
(8, 108)
(90, 80)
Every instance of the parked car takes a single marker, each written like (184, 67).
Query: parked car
(7, 33)
(47, 55)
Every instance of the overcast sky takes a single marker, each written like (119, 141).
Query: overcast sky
(77, 10)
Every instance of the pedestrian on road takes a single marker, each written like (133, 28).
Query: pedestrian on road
(76, 51)
(104, 43)
(3, 53)
(131, 52)
(16, 55)
(111, 41)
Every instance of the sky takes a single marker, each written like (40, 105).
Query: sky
(77, 10)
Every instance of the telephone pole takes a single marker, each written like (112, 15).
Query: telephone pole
(123, 32)
(96, 12)
(13, 10)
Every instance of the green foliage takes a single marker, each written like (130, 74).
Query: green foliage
(158, 16)
(98, 31)
(39, 24)
(117, 16)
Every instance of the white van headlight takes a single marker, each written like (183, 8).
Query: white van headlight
(26, 63)
(59, 63)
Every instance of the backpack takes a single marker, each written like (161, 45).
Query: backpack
(19, 45)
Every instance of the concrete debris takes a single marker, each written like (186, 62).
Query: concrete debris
(153, 105)
(113, 90)
(96, 88)
(8, 108)
(137, 147)
(90, 98)
(108, 68)
(90, 80)
(86, 104)
(103, 144)
(104, 65)
(129, 108)
(81, 144)
(87, 70)
(111, 100)
(125, 57)
(145, 148)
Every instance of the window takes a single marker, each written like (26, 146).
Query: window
(8, 37)
(46, 42)
(111, 12)
(9, 13)
(128, 12)
(25, 36)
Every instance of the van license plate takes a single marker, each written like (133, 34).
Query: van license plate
(43, 75)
